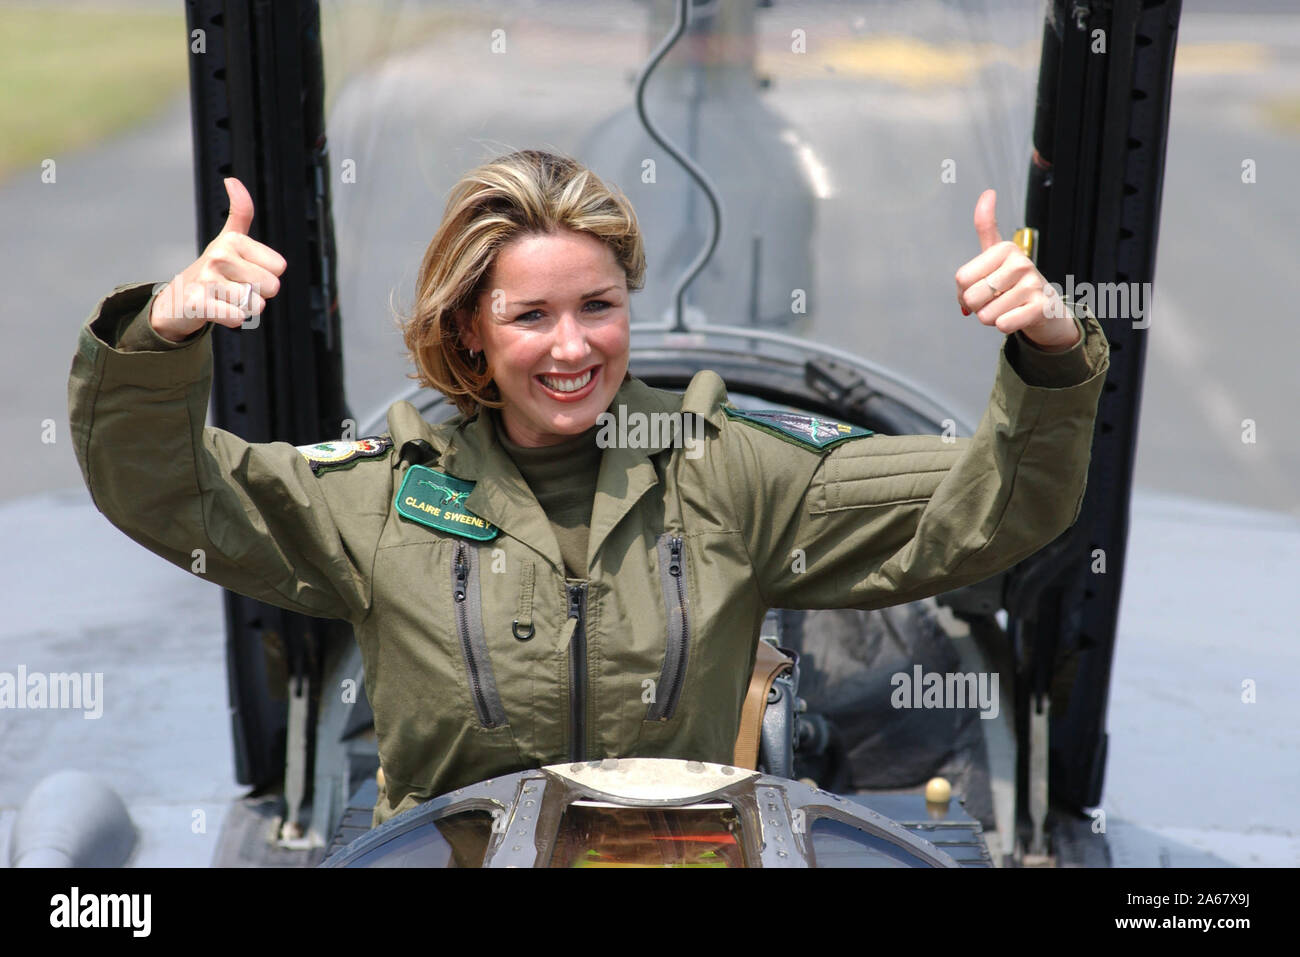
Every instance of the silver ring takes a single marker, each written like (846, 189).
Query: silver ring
(993, 287)
(248, 294)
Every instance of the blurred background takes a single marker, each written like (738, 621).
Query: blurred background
(96, 189)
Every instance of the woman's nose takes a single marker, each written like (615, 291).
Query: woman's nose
(570, 342)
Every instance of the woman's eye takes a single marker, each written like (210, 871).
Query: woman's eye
(595, 305)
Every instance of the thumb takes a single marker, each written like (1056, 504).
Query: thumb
(241, 207)
(986, 222)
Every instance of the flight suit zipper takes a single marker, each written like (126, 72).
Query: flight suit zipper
(578, 673)
(672, 579)
(473, 642)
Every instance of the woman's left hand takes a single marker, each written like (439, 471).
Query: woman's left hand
(1004, 288)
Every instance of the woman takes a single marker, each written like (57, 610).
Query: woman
(525, 588)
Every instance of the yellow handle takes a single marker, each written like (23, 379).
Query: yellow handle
(1027, 239)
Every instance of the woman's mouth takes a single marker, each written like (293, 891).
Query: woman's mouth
(569, 388)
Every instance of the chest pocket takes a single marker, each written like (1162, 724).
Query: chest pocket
(467, 606)
(677, 603)
(445, 691)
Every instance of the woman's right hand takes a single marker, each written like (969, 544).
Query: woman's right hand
(212, 288)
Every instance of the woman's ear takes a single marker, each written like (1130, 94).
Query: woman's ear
(468, 337)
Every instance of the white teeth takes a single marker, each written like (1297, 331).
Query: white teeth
(567, 385)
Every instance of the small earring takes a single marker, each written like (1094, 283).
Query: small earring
(472, 353)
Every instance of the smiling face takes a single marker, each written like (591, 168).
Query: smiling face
(553, 324)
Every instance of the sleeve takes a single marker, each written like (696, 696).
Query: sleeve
(256, 511)
(882, 520)
(1056, 370)
(136, 334)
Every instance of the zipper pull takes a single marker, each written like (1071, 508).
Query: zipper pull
(575, 607)
(462, 574)
(675, 561)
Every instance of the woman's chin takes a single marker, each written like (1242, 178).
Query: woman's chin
(554, 429)
(576, 422)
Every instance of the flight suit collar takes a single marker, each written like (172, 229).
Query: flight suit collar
(471, 450)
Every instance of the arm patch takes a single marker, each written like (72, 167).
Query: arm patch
(330, 455)
(808, 431)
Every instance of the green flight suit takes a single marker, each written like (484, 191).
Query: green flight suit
(685, 553)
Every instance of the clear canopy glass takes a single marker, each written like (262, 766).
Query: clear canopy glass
(846, 143)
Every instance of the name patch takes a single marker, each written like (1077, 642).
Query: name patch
(437, 499)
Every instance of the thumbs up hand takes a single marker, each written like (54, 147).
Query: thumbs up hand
(230, 282)
(1004, 289)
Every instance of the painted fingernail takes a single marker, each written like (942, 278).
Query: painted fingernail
(965, 311)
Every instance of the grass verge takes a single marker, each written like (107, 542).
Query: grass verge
(72, 75)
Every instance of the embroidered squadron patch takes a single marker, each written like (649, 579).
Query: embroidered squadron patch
(810, 431)
(437, 499)
(328, 455)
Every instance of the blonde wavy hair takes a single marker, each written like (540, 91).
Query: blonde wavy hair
(522, 193)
